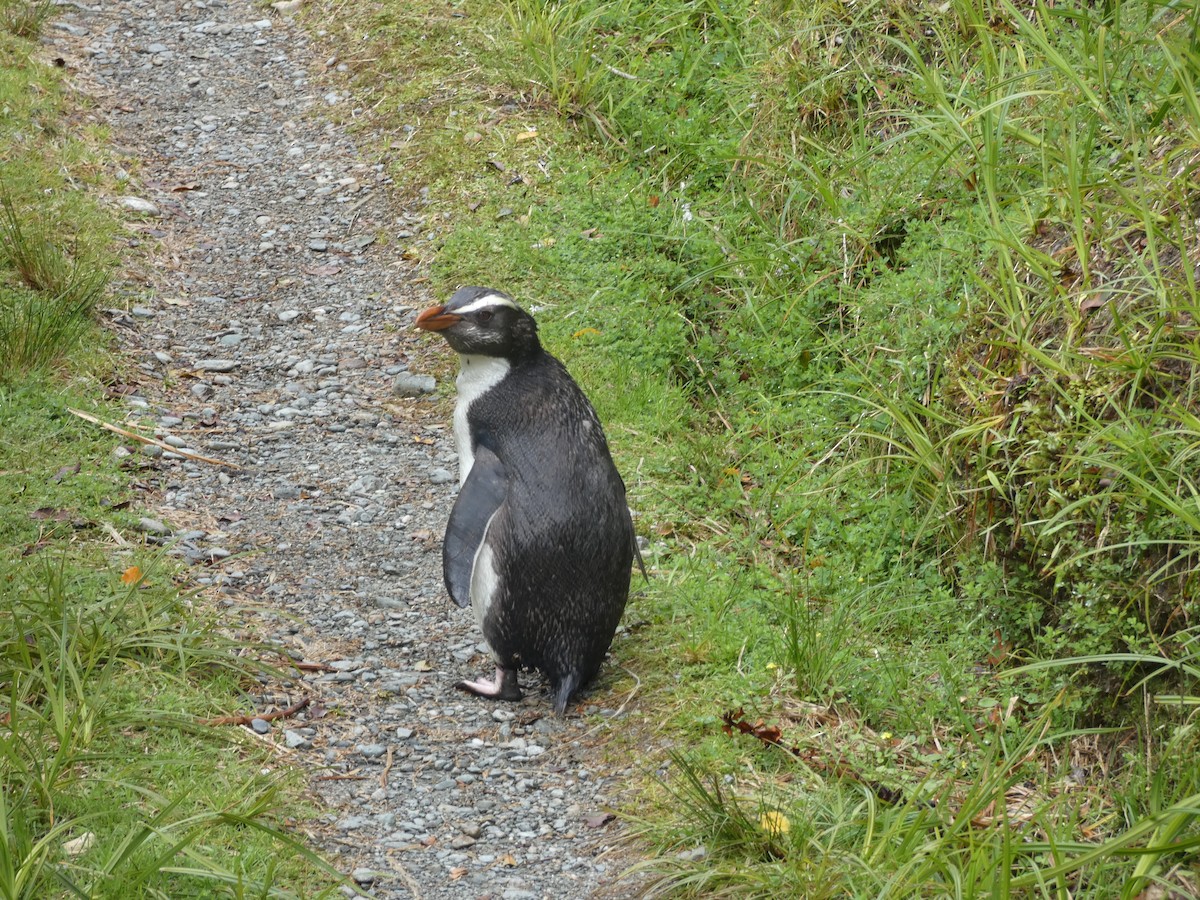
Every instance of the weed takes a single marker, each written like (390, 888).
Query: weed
(25, 18)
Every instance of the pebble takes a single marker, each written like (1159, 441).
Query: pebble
(140, 205)
(332, 520)
(406, 384)
(216, 365)
(153, 526)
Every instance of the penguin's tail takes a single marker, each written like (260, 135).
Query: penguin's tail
(563, 692)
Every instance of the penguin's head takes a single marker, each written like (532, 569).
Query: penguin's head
(483, 322)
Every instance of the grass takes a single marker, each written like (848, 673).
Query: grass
(886, 309)
(111, 783)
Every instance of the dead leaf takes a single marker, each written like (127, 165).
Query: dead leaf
(326, 269)
(189, 186)
(527, 135)
(591, 234)
(496, 164)
(507, 860)
(422, 666)
(457, 872)
(47, 512)
(598, 820)
(582, 331)
(132, 575)
(64, 472)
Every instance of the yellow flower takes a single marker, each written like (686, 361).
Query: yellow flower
(886, 736)
(772, 666)
(774, 823)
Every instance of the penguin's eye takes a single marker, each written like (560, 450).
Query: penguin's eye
(486, 316)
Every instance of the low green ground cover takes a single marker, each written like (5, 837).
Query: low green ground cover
(110, 783)
(891, 313)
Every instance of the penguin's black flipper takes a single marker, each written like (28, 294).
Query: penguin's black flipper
(480, 497)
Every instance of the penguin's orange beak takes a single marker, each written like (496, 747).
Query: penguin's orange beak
(436, 319)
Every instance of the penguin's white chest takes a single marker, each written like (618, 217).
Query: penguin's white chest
(478, 375)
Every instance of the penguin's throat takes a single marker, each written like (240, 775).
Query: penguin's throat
(477, 375)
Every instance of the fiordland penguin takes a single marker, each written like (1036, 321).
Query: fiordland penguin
(540, 542)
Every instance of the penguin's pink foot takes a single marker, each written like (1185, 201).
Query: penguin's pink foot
(503, 686)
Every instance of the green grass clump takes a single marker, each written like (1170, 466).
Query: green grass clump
(54, 239)
(97, 746)
(25, 18)
(890, 312)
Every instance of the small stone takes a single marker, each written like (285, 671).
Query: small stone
(286, 492)
(153, 526)
(409, 385)
(441, 476)
(216, 365)
(294, 740)
(260, 726)
(69, 28)
(137, 204)
(372, 751)
(364, 876)
(289, 314)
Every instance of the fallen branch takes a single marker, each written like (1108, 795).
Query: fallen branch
(266, 717)
(87, 417)
(772, 736)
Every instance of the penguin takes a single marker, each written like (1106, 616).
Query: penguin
(540, 543)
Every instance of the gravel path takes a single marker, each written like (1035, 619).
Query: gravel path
(274, 333)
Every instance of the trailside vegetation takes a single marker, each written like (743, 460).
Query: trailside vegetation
(891, 311)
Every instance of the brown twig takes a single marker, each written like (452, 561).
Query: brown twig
(313, 666)
(772, 736)
(88, 417)
(387, 767)
(266, 717)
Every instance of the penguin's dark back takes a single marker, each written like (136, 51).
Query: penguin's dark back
(569, 535)
(543, 427)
